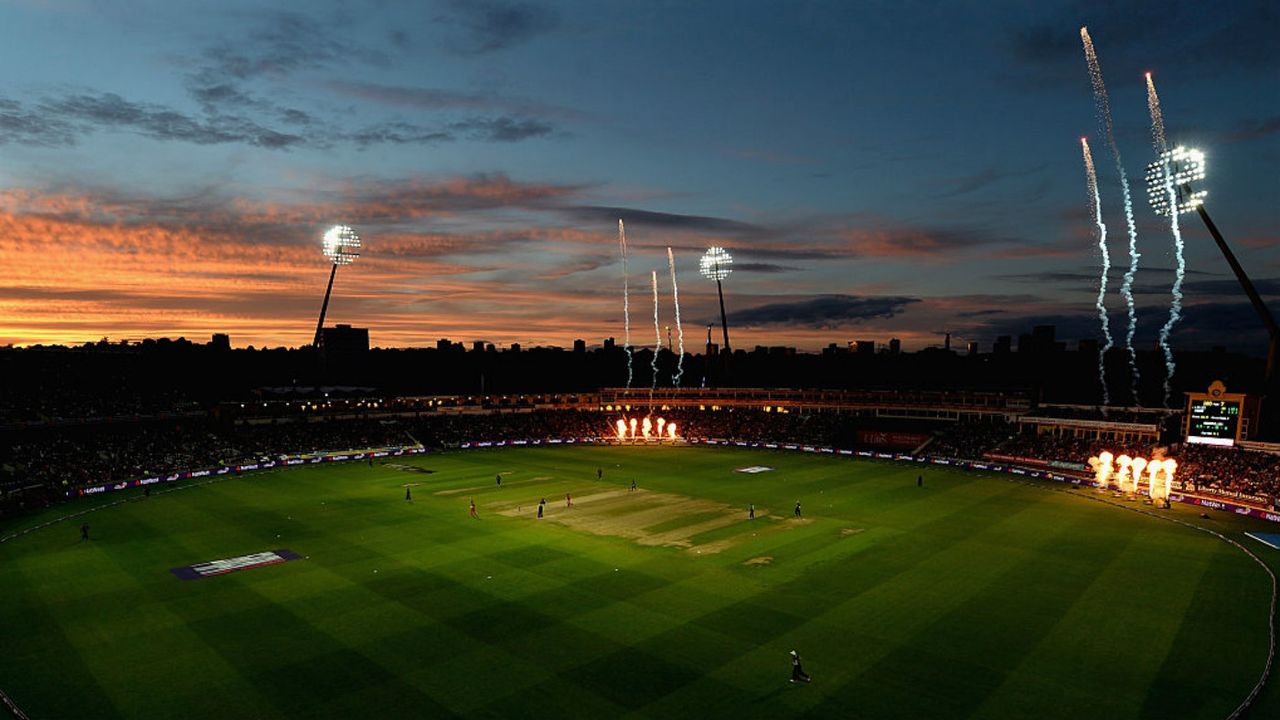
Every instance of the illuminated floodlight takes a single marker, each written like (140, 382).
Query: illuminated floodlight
(1181, 166)
(341, 245)
(716, 264)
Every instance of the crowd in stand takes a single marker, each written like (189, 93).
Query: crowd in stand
(1229, 470)
(970, 441)
(1067, 449)
(43, 462)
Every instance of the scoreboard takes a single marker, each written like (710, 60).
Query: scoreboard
(1213, 422)
(1215, 417)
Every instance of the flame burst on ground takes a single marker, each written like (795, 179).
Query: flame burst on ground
(625, 429)
(1126, 474)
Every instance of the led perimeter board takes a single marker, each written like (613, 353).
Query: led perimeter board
(1215, 417)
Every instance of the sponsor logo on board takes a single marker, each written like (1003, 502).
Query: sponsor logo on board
(232, 564)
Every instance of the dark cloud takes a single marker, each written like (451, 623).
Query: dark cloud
(1088, 275)
(1226, 287)
(90, 112)
(283, 44)
(757, 267)
(491, 25)
(650, 218)
(823, 312)
(1203, 325)
(63, 120)
(986, 177)
(20, 126)
(502, 129)
(1214, 36)
(1255, 129)
(397, 133)
(439, 99)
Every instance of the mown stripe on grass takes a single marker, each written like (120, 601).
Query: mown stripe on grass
(974, 646)
(1196, 678)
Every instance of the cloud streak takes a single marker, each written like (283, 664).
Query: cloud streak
(824, 311)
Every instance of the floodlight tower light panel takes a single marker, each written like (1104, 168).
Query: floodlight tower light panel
(1182, 167)
(716, 264)
(341, 245)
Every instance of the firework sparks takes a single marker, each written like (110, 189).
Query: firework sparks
(1175, 304)
(675, 296)
(1103, 104)
(1095, 206)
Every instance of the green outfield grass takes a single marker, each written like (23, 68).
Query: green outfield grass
(971, 597)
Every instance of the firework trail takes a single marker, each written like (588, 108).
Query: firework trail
(657, 333)
(1175, 304)
(1095, 206)
(675, 296)
(626, 300)
(1103, 105)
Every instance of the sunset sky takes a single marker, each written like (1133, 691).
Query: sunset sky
(878, 169)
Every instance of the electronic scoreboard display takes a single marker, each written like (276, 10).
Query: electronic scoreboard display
(1213, 421)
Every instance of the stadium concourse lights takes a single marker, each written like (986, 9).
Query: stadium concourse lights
(1181, 167)
(341, 245)
(716, 264)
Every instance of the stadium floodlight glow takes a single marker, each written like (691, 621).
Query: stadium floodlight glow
(1182, 166)
(716, 264)
(341, 245)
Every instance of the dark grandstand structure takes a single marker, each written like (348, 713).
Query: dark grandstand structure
(55, 457)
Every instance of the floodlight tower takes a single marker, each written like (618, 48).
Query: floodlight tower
(1171, 188)
(716, 264)
(341, 245)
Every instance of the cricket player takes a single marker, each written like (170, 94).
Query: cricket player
(797, 673)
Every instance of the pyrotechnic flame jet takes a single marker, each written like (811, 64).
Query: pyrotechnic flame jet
(1102, 468)
(1122, 477)
(646, 428)
(1138, 465)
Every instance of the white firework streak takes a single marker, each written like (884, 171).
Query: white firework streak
(657, 332)
(1103, 104)
(675, 295)
(1095, 205)
(626, 300)
(1175, 302)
